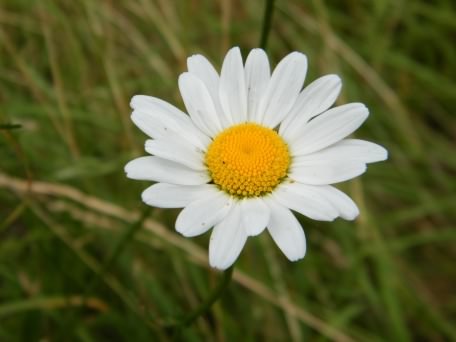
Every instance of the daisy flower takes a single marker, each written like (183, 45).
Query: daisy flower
(253, 147)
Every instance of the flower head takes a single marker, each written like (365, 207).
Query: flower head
(253, 147)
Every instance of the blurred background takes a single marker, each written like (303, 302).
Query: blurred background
(71, 268)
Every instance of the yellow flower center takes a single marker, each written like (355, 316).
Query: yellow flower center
(248, 160)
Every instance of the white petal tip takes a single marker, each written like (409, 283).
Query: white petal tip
(362, 108)
(332, 79)
(134, 101)
(300, 254)
(351, 217)
(194, 60)
(298, 57)
(297, 54)
(128, 167)
(149, 204)
(131, 169)
(350, 214)
(335, 77)
(382, 154)
(257, 50)
(297, 258)
(184, 232)
(193, 57)
(183, 77)
(218, 267)
(337, 82)
(147, 199)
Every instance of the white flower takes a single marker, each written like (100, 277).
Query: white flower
(253, 146)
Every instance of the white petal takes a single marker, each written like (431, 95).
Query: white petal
(257, 75)
(162, 170)
(305, 200)
(158, 118)
(313, 100)
(233, 91)
(344, 150)
(227, 240)
(254, 215)
(329, 127)
(164, 195)
(178, 150)
(345, 206)
(199, 104)
(283, 89)
(286, 232)
(199, 66)
(199, 216)
(322, 173)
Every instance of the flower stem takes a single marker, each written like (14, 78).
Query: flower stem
(267, 20)
(211, 299)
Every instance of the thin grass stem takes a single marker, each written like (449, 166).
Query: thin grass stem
(216, 294)
(267, 21)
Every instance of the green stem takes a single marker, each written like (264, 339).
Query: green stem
(119, 247)
(126, 237)
(267, 20)
(10, 126)
(211, 299)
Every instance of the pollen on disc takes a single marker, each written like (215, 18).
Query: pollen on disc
(248, 160)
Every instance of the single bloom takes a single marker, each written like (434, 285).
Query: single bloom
(253, 147)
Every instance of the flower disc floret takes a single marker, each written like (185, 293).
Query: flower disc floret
(248, 160)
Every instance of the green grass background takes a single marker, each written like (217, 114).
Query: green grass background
(70, 272)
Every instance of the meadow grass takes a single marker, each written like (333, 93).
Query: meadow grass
(78, 259)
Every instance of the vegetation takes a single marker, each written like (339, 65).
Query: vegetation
(79, 260)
